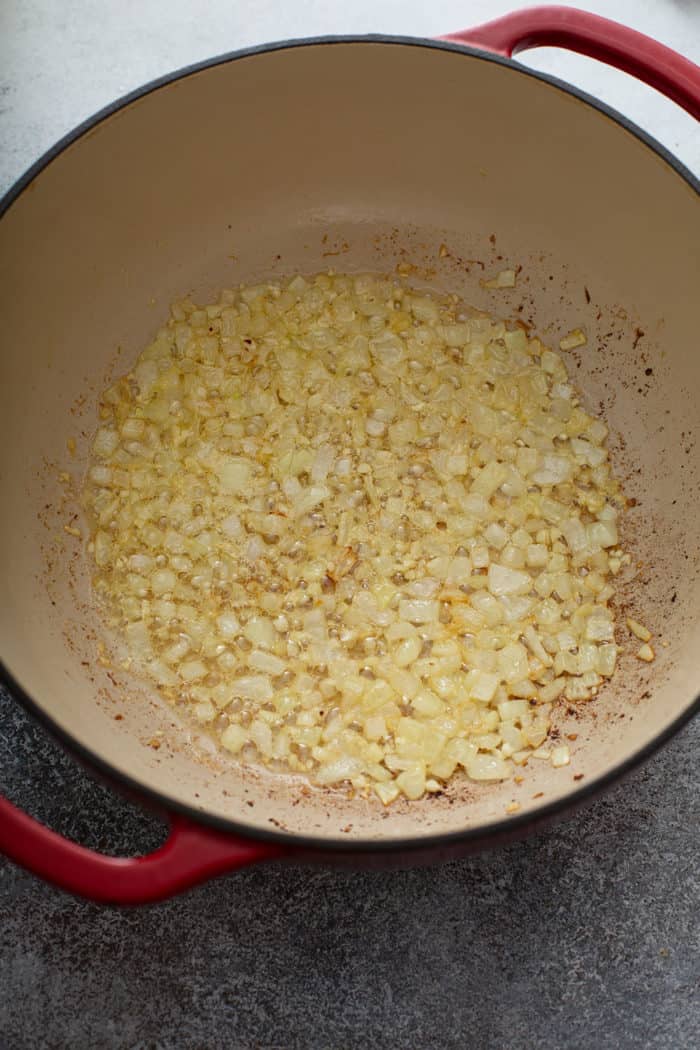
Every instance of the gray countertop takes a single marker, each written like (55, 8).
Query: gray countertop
(584, 937)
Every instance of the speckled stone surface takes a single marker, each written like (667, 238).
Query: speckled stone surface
(585, 937)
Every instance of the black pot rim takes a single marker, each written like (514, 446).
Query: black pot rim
(471, 838)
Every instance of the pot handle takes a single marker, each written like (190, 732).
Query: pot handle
(190, 855)
(567, 27)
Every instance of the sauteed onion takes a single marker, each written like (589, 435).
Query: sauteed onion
(360, 532)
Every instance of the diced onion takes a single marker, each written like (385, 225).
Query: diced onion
(560, 756)
(575, 338)
(419, 611)
(639, 631)
(503, 279)
(360, 531)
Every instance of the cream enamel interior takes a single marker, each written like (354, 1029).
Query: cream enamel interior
(358, 156)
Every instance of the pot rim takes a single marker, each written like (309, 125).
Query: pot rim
(20, 184)
(498, 830)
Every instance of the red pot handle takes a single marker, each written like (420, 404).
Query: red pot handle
(596, 37)
(191, 854)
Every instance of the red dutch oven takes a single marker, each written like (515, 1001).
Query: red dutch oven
(261, 163)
